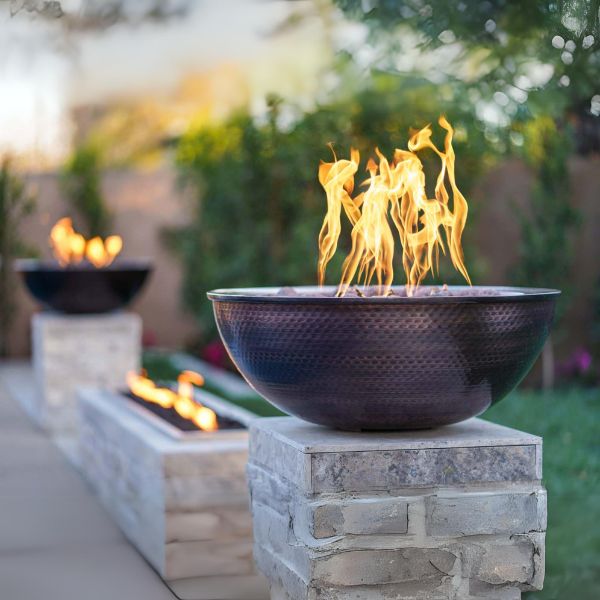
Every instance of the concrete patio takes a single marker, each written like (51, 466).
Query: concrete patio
(56, 541)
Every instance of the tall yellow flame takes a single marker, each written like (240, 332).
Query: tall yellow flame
(395, 192)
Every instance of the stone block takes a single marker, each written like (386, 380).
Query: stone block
(457, 512)
(208, 558)
(361, 516)
(486, 513)
(183, 503)
(69, 351)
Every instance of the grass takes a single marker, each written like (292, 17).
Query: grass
(568, 420)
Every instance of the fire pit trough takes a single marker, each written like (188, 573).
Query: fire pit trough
(179, 496)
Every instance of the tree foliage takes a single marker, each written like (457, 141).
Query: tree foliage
(257, 203)
(529, 71)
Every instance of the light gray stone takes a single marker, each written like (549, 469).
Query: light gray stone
(468, 453)
(312, 439)
(69, 351)
(455, 513)
(208, 558)
(504, 563)
(269, 489)
(486, 513)
(361, 516)
(286, 584)
(400, 469)
(375, 567)
(217, 523)
(183, 504)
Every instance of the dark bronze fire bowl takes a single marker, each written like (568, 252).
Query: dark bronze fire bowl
(82, 288)
(384, 363)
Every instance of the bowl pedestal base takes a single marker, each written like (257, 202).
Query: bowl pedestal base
(453, 512)
(70, 351)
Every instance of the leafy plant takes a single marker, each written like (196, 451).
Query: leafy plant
(546, 225)
(15, 204)
(82, 185)
(257, 203)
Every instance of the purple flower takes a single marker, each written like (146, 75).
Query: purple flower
(576, 365)
(582, 360)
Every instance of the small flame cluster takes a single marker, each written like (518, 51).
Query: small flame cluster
(182, 400)
(395, 192)
(70, 247)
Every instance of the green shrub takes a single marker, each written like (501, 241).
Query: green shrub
(15, 204)
(82, 186)
(257, 203)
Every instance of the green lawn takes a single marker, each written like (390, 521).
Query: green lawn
(569, 422)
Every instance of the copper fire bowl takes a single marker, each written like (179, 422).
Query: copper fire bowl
(384, 363)
(82, 288)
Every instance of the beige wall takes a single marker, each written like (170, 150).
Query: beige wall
(145, 202)
(498, 237)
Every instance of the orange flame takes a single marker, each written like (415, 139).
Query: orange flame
(182, 400)
(70, 247)
(394, 191)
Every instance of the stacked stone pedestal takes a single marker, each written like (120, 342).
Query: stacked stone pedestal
(453, 513)
(70, 351)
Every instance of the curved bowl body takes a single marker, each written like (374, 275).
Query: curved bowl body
(83, 289)
(384, 363)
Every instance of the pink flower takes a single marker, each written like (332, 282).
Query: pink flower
(215, 354)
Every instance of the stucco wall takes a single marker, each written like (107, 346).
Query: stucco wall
(498, 238)
(143, 202)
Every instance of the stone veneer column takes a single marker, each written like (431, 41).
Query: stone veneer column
(70, 351)
(453, 513)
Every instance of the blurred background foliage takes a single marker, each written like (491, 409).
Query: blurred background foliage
(515, 79)
(81, 185)
(16, 202)
(257, 202)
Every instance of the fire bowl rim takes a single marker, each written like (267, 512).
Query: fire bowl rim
(268, 295)
(31, 265)
(83, 289)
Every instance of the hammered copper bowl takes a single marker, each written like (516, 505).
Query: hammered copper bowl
(82, 288)
(384, 363)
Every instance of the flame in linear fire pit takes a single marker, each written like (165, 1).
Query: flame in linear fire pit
(395, 190)
(182, 400)
(70, 247)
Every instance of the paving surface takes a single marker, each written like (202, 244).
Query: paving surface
(56, 540)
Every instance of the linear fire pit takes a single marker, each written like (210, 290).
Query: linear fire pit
(180, 497)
